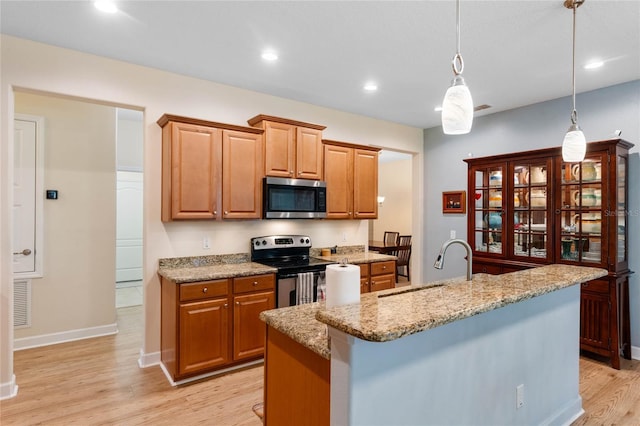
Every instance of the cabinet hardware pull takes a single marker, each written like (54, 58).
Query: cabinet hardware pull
(204, 290)
(215, 212)
(25, 252)
(226, 212)
(255, 283)
(237, 303)
(226, 305)
(557, 211)
(585, 284)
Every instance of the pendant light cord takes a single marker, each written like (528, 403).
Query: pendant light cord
(457, 62)
(574, 113)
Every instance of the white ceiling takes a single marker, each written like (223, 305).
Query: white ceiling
(516, 52)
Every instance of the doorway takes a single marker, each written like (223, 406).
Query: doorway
(71, 299)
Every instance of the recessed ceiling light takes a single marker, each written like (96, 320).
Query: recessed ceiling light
(105, 6)
(593, 64)
(370, 87)
(438, 109)
(269, 55)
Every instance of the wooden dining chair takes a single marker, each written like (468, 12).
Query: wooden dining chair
(403, 253)
(391, 238)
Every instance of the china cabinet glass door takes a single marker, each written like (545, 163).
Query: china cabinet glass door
(582, 211)
(621, 209)
(488, 209)
(530, 206)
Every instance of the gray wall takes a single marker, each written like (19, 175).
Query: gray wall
(542, 125)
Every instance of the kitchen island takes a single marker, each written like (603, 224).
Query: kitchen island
(494, 350)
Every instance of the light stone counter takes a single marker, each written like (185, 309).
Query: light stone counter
(391, 314)
(205, 268)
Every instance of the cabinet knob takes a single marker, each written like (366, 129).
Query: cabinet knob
(291, 172)
(237, 303)
(226, 305)
(215, 212)
(255, 283)
(204, 290)
(226, 212)
(384, 267)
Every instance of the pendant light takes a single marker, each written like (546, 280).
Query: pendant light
(457, 106)
(574, 145)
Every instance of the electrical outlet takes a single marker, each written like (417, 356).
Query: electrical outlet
(519, 396)
(452, 234)
(344, 236)
(206, 244)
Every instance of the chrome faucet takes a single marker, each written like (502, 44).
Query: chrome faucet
(440, 260)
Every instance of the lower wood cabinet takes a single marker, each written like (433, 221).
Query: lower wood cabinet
(377, 276)
(201, 333)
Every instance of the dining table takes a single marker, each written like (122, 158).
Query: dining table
(382, 247)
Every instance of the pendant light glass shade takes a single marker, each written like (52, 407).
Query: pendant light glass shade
(574, 145)
(457, 108)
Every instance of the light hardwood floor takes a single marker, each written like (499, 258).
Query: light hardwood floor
(98, 382)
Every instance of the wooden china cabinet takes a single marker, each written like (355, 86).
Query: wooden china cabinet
(530, 208)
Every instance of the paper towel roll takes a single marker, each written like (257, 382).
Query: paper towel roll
(343, 284)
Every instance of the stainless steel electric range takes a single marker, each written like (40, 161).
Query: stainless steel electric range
(290, 255)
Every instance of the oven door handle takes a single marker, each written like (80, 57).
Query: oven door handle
(295, 274)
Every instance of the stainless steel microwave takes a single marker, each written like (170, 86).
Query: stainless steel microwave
(294, 198)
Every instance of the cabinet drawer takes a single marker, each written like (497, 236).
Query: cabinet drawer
(203, 290)
(364, 270)
(253, 283)
(379, 268)
(596, 286)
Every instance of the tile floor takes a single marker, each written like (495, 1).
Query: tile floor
(128, 294)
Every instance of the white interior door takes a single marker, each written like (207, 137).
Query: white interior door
(129, 227)
(26, 189)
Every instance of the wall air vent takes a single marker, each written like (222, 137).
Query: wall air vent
(481, 107)
(21, 303)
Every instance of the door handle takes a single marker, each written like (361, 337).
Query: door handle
(25, 252)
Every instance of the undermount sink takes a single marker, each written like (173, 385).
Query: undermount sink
(410, 290)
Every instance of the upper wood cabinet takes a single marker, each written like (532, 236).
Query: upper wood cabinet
(210, 170)
(351, 173)
(293, 149)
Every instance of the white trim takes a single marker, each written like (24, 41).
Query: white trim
(39, 200)
(148, 360)
(635, 352)
(10, 389)
(204, 376)
(64, 336)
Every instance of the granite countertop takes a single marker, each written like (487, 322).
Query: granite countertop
(415, 308)
(358, 257)
(300, 324)
(204, 268)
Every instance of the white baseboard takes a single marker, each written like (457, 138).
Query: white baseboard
(64, 336)
(10, 389)
(148, 360)
(635, 352)
(213, 373)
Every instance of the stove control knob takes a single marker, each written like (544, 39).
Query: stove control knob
(306, 241)
(264, 242)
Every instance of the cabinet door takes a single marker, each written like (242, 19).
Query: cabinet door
(487, 209)
(338, 173)
(530, 210)
(191, 171)
(204, 335)
(583, 213)
(383, 282)
(248, 329)
(365, 184)
(595, 321)
(242, 167)
(279, 149)
(308, 153)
